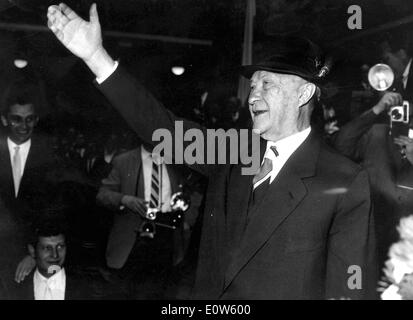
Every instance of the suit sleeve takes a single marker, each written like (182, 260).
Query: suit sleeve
(109, 194)
(351, 261)
(351, 138)
(145, 114)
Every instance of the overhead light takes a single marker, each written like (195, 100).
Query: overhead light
(20, 63)
(178, 70)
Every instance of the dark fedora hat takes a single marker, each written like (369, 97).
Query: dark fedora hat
(292, 55)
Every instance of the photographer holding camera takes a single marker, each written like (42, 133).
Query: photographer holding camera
(385, 149)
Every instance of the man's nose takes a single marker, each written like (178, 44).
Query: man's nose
(55, 253)
(24, 125)
(254, 96)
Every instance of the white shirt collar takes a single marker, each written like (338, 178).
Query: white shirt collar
(406, 73)
(285, 148)
(24, 147)
(56, 283)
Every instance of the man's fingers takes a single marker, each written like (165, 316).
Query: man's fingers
(93, 14)
(67, 11)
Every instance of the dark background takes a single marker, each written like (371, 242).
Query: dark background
(211, 66)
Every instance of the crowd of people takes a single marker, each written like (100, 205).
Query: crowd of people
(102, 216)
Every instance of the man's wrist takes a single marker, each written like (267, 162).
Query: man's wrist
(100, 63)
(377, 109)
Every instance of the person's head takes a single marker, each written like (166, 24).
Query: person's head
(283, 88)
(395, 50)
(48, 246)
(18, 112)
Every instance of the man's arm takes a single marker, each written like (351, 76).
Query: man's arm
(351, 261)
(139, 108)
(109, 194)
(351, 138)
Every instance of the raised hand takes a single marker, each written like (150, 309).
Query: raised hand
(82, 38)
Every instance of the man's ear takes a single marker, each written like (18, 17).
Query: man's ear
(32, 251)
(307, 91)
(36, 120)
(4, 121)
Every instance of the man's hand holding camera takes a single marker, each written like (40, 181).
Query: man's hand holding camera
(135, 204)
(388, 100)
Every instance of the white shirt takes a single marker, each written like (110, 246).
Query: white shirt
(285, 148)
(53, 288)
(105, 76)
(147, 175)
(23, 151)
(406, 74)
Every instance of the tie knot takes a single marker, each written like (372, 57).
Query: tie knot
(16, 148)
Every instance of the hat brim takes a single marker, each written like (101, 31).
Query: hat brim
(248, 71)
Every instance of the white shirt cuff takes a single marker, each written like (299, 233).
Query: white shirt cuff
(105, 76)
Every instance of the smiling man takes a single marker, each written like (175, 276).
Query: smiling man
(301, 227)
(50, 279)
(26, 161)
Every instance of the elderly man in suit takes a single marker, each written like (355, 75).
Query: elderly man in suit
(140, 261)
(301, 227)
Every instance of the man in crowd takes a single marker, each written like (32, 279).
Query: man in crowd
(50, 280)
(296, 228)
(27, 168)
(142, 261)
(386, 154)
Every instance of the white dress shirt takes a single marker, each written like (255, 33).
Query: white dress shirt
(23, 151)
(147, 175)
(53, 288)
(285, 148)
(105, 76)
(406, 74)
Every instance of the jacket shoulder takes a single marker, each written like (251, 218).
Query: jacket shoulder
(337, 164)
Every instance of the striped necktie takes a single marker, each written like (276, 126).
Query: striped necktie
(265, 168)
(155, 186)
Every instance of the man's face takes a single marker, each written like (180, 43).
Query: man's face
(50, 251)
(274, 104)
(20, 122)
(396, 60)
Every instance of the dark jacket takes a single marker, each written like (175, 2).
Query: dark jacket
(78, 287)
(299, 243)
(391, 177)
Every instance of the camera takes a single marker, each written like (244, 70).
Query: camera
(400, 113)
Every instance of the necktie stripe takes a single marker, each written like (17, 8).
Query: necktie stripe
(265, 168)
(154, 197)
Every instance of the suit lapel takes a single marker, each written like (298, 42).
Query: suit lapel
(6, 175)
(282, 197)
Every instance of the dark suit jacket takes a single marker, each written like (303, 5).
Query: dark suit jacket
(36, 185)
(299, 243)
(77, 288)
(391, 178)
(126, 178)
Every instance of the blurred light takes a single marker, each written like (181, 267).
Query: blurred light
(20, 63)
(177, 70)
(335, 191)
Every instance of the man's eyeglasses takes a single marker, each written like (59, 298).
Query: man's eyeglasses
(15, 120)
